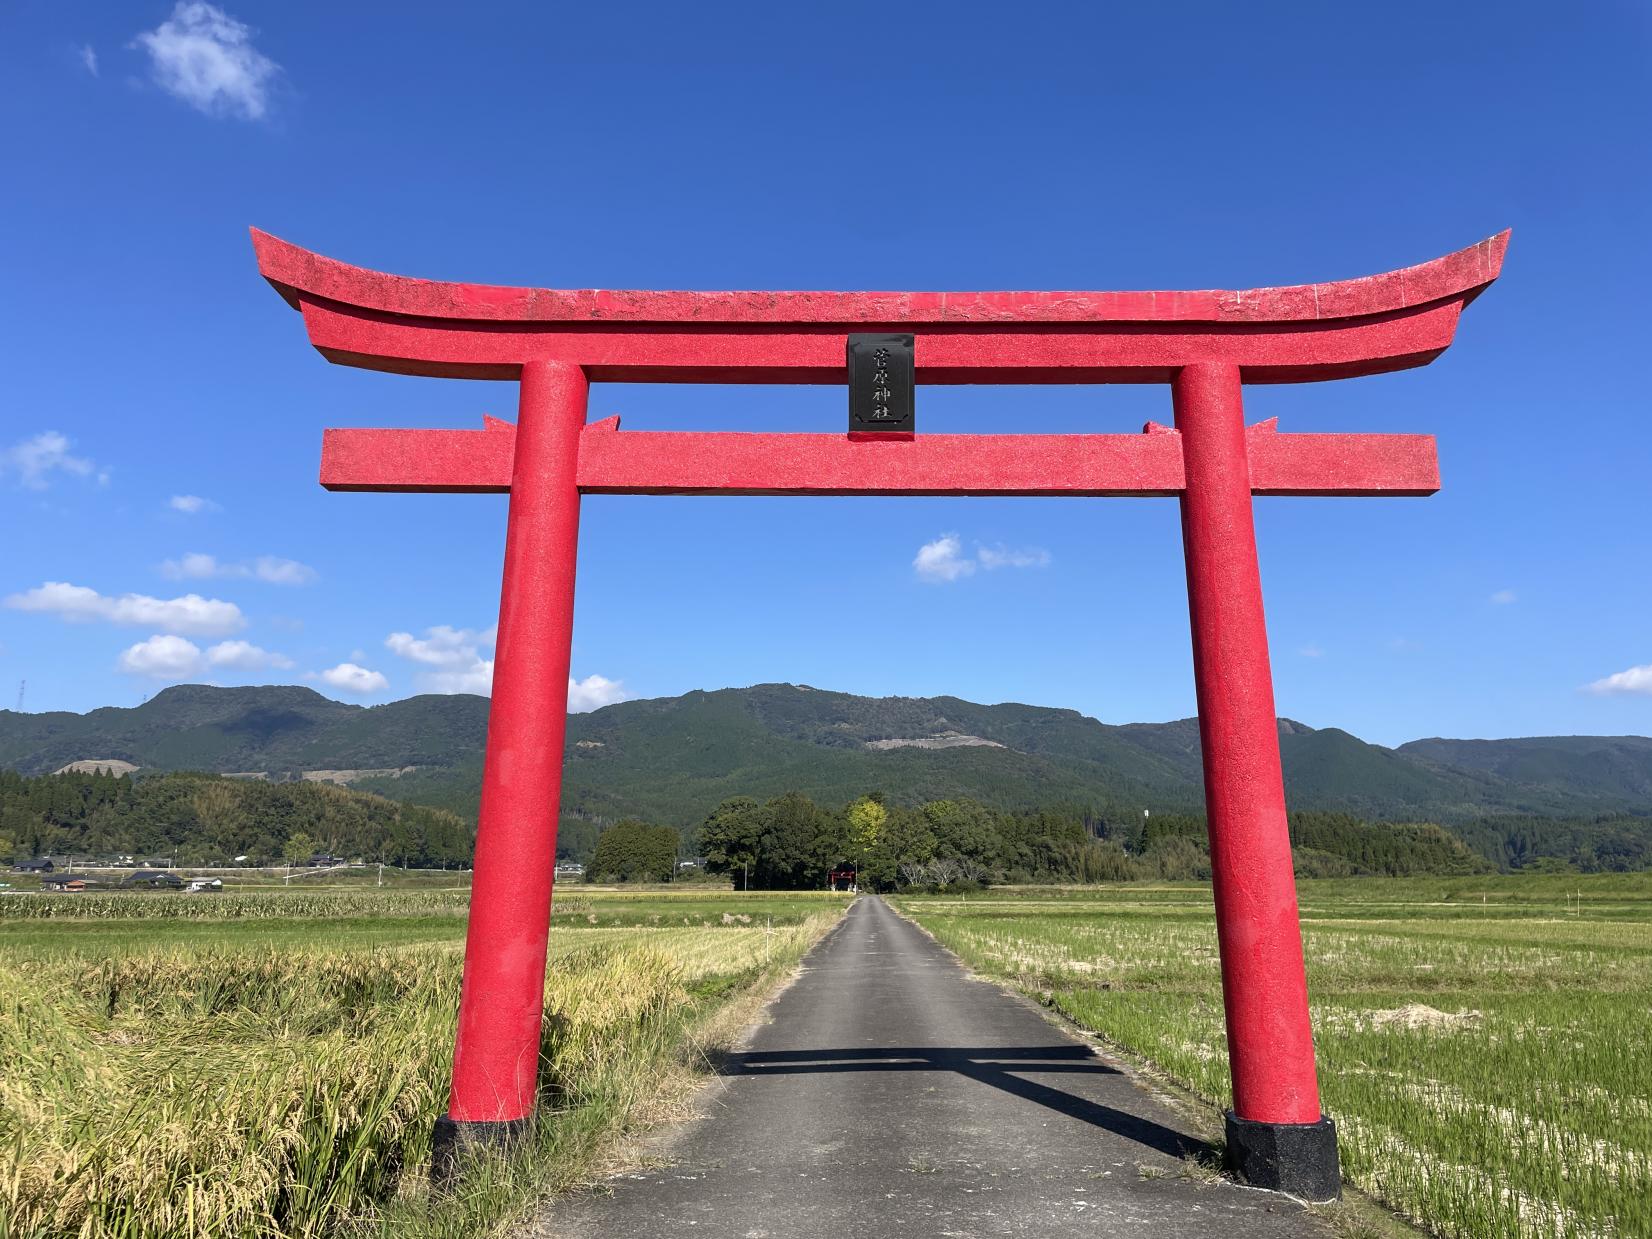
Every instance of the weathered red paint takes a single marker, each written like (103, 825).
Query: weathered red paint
(612, 462)
(297, 273)
(1206, 344)
(1311, 331)
(1270, 1043)
(496, 1055)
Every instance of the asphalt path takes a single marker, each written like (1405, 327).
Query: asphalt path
(888, 1093)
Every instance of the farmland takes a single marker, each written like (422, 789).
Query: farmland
(271, 1063)
(1484, 1043)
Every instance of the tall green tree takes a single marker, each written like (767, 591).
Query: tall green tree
(299, 846)
(730, 837)
(634, 851)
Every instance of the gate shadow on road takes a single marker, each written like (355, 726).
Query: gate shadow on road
(1002, 1067)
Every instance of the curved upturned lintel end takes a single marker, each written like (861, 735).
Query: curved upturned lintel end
(1493, 250)
(276, 256)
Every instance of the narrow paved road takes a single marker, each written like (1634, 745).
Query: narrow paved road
(891, 1095)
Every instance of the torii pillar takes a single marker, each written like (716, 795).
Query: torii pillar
(1206, 345)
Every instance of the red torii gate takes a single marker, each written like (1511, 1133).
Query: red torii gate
(1205, 344)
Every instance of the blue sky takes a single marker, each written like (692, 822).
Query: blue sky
(161, 415)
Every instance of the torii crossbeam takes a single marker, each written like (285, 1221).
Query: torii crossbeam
(1206, 345)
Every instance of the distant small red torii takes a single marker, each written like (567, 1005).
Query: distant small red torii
(1205, 344)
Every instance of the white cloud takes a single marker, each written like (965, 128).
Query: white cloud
(1636, 680)
(1503, 597)
(191, 505)
(453, 657)
(163, 657)
(205, 57)
(89, 58)
(351, 678)
(441, 646)
(1023, 557)
(245, 656)
(167, 657)
(594, 692)
(192, 614)
(1311, 651)
(274, 571)
(34, 461)
(267, 568)
(451, 660)
(942, 560)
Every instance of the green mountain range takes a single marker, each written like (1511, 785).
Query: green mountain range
(672, 759)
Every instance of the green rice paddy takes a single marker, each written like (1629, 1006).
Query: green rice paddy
(1485, 1045)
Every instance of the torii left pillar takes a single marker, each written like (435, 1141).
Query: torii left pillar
(496, 1054)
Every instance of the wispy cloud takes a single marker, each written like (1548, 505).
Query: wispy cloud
(1635, 681)
(351, 678)
(89, 58)
(190, 614)
(245, 656)
(205, 57)
(943, 560)
(1311, 651)
(34, 461)
(192, 505)
(1012, 557)
(1503, 597)
(267, 568)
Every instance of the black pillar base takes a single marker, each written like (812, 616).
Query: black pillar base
(453, 1141)
(1299, 1159)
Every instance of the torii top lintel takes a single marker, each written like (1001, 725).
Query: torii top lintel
(1300, 333)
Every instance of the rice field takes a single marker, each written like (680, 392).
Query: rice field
(271, 1064)
(1485, 1045)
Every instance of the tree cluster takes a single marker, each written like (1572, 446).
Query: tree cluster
(207, 819)
(787, 842)
(791, 843)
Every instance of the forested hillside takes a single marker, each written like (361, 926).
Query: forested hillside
(671, 761)
(276, 729)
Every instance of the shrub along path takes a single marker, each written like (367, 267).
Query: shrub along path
(889, 1094)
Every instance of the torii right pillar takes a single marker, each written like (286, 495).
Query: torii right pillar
(1276, 1135)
